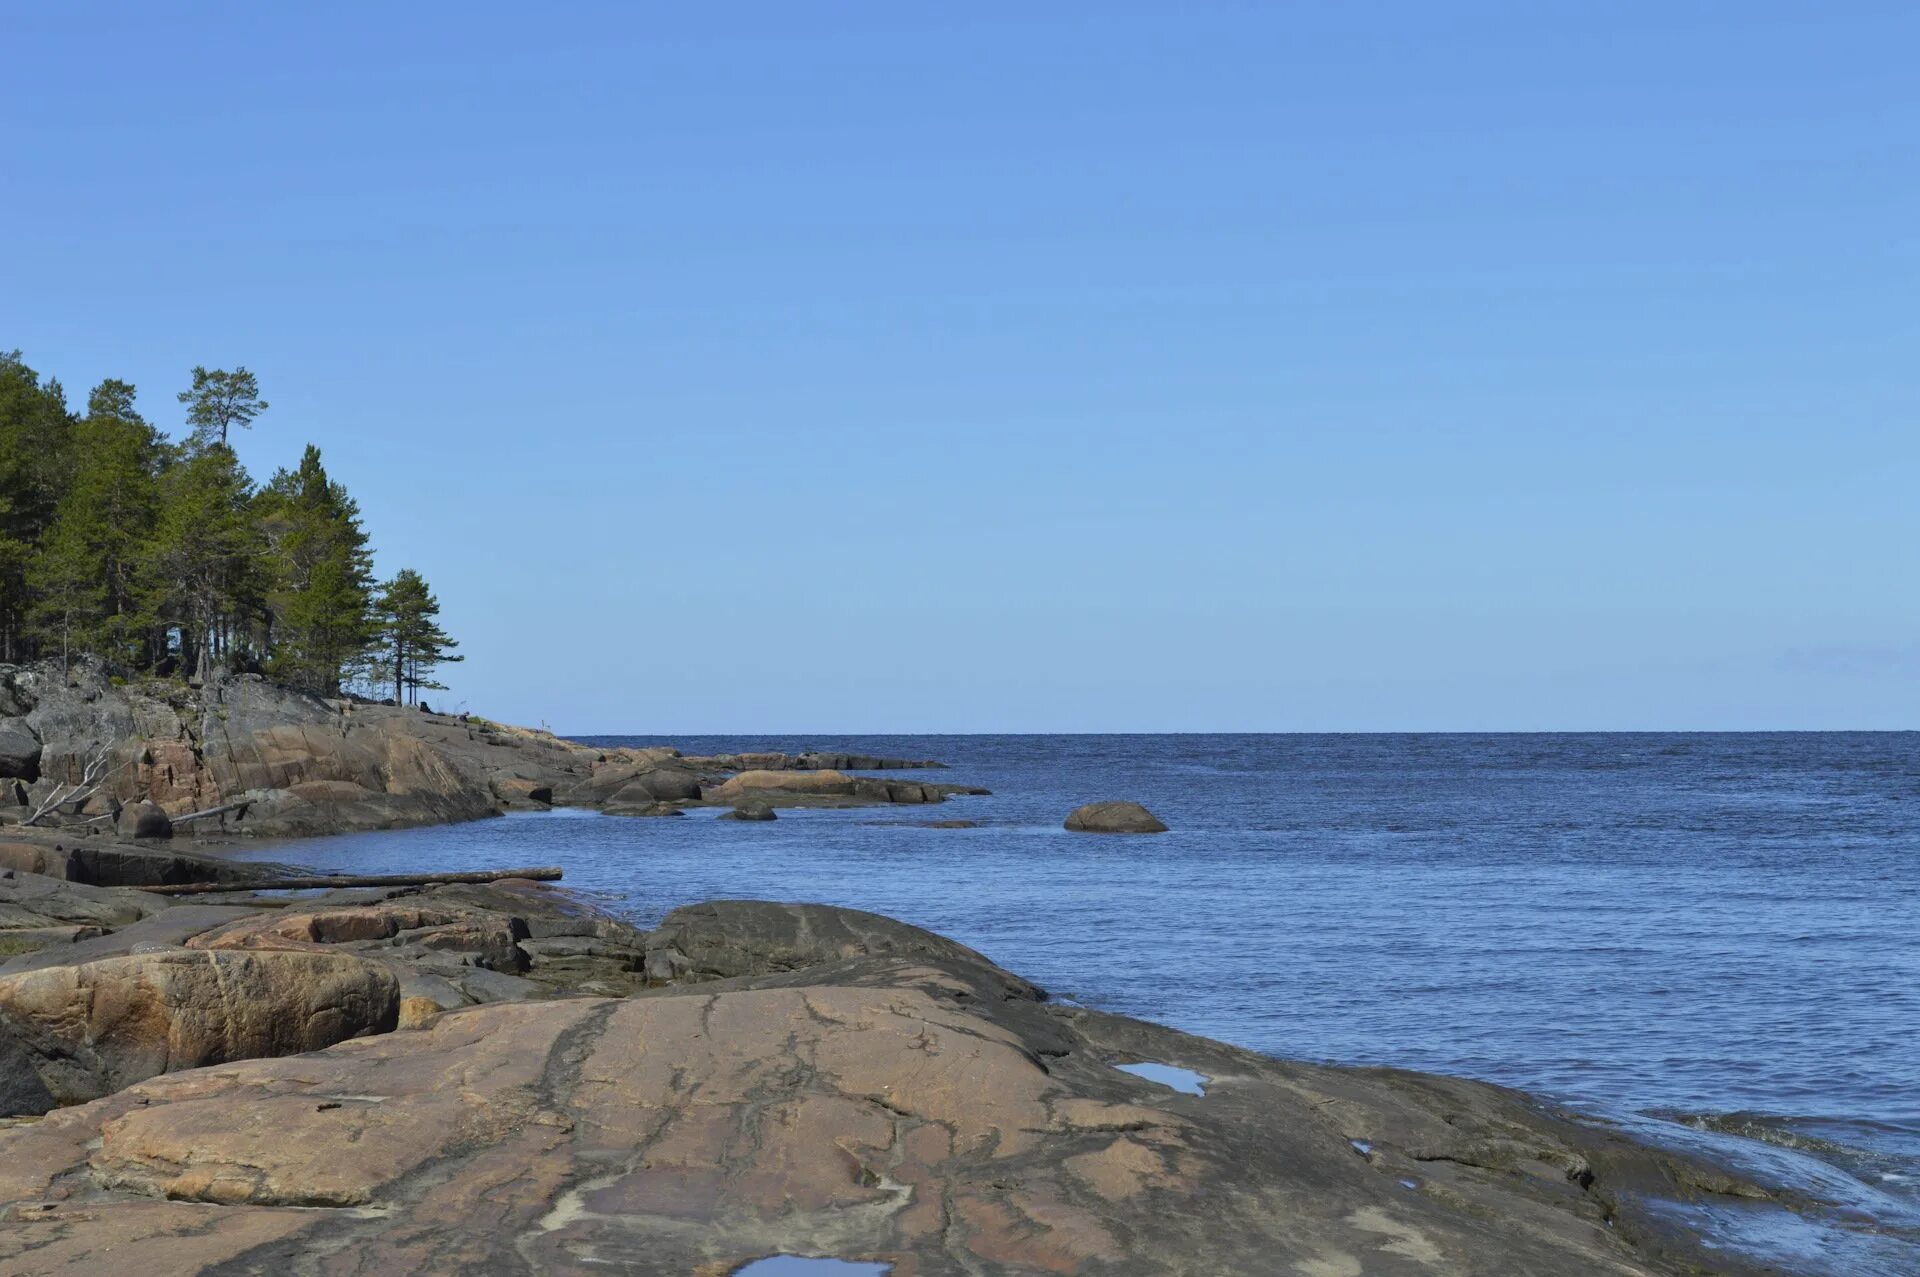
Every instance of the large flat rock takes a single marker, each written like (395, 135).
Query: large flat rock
(912, 1106)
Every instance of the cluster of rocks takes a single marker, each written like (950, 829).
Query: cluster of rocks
(507, 1080)
(79, 751)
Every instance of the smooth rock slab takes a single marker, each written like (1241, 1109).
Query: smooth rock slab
(750, 783)
(896, 1120)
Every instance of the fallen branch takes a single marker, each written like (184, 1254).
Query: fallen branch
(551, 873)
(222, 810)
(91, 778)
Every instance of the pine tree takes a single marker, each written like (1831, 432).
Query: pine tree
(319, 602)
(205, 565)
(85, 573)
(220, 400)
(36, 453)
(411, 643)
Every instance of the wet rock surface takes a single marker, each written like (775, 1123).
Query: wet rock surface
(810, 1081)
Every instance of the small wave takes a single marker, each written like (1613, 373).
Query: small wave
(1796, 1131)
(1877, 1154)
(1766, 1128)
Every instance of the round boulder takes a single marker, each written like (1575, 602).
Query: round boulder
(19, 750)
(1114, 818)
(144, 820)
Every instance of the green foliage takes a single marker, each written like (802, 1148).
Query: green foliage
(36, 450)
(205, 564)
(220, 400)
(86, 576)
(410, 643)
(165, 560)
(320, 591)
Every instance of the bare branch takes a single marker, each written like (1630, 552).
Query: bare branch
(95, 774)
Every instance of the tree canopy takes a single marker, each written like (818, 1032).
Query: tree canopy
(411, 644)
(156, 556)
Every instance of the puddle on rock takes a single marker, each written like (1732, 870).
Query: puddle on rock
(806, 1266)
(1172, 1076)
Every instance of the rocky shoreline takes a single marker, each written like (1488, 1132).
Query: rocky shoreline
(243, 758)
(505, 1078)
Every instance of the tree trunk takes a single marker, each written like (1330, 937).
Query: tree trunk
(547, 874)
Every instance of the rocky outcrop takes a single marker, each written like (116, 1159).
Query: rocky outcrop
(520, 792)
(752, 811)
(1114, 818)
(814, 761)
(456, 945)
(94, 1028)
(832, 783)
(104, 986)
(243, 756)
(722, 939)
(19, 750)
(854, 1088)
(827, 789)
(265, 759)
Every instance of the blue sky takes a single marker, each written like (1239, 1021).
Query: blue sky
(880, 367)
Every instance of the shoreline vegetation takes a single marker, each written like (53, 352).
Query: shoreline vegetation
(163, 558)
(503, 1077)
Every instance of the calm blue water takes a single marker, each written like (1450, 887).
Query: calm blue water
(1633, 924)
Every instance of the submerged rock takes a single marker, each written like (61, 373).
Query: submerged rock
(749, 811)
(1114, 818)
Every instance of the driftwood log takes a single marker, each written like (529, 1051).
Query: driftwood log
(221, 810)
(550, 873)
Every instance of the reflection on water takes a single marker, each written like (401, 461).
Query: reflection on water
(1174, 1078)
(1703, 925)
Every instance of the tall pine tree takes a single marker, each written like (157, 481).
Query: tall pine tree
(206, 560)
(36, 453)
(85, 576)
(320, 596)
(411, 644)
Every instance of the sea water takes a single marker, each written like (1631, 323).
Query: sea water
(1711, 937)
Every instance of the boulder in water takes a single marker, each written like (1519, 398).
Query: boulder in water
(1114, 818)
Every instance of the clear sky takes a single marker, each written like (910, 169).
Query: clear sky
(896, 367)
